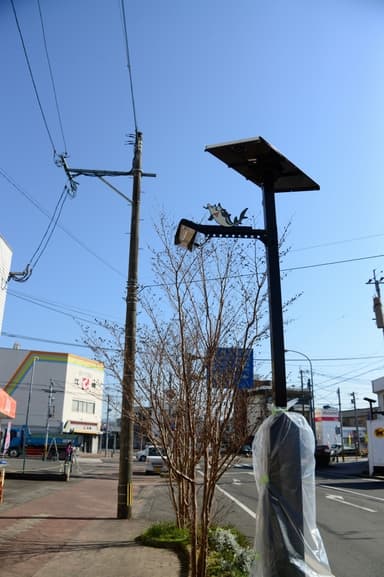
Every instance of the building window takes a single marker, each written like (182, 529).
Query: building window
(83, 407)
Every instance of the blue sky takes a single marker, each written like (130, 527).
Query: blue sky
(305, 74)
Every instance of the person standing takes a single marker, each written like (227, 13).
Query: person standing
(68, 452)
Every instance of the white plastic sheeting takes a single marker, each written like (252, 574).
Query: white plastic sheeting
(287, 541)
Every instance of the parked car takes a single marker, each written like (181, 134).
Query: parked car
(322, 455)
(149, 451)
(156, 464)
(349, 450)
(335, 450)
(246, 451)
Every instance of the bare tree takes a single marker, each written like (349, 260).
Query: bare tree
(193, 408)
(211, 299)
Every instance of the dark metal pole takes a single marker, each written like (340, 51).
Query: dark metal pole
(49, 415)
(279, 386)
(311, 411)
(26, 428)
(341, 425)
(107, 428)
(302, 392)
(357, 435)
(310, 389)
(284, 438)
(371, 402)
(125, 485)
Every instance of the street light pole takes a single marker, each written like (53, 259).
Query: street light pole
(275, 301)
(259, 162)
(49, 415)
(311, 399)
(107, 428)
(27, 411)
(281, 506)
(371, 403)
(357, 437)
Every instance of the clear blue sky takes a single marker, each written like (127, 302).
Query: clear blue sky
(305, 74)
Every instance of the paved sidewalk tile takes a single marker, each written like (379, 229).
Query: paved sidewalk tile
(72, 531)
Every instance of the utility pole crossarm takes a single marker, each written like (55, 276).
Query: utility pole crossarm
(99, 172)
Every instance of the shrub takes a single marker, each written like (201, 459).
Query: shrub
(229, 553)
(165, 534)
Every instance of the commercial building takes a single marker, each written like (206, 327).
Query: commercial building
(59, 392)
(375, 428)
(5, 264)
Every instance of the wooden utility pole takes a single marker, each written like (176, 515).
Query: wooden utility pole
(125, 487)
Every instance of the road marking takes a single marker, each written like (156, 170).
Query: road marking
(237, 502)
(341, 500)
(236, 482)
(371, 497)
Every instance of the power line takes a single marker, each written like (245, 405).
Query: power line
(32, 78)
(52, 79)
(50, 229)
(344, 241)
(55, 309)
(124, 20)
(303, 267)
(325, 359)
(59, 308)
(40, 340)
(66, 231)
(330, 263)
(26, 273)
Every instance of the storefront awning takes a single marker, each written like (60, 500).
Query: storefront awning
(7, 406)
(81, 427)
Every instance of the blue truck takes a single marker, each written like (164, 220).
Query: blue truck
(37, 444)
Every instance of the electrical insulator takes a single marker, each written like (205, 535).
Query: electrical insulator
(378, 310)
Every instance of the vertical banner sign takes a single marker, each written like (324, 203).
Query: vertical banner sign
(7, 438)
(234, 366)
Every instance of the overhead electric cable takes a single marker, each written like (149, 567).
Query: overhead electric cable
(329, 263)
(52, 79)
(26, 273)
(50, 229)
(66, 231)
(32, 78)
(336, 242)
(74, 317)
(14, 336)
(290, 269)
(128, 63)
(58, 306)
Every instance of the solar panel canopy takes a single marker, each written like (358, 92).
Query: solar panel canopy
(262, 164)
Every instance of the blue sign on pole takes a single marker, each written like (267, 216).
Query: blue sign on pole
(235, 365)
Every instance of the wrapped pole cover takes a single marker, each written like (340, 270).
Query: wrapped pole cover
(287, 541)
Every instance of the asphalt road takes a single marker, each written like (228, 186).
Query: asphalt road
(350, 508)
(349, 516)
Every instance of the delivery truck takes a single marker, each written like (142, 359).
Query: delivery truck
(40, 445)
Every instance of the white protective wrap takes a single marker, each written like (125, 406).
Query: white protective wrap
(287, 541)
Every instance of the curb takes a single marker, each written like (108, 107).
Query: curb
(36, 476)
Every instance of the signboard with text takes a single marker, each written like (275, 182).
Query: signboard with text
(234, 366)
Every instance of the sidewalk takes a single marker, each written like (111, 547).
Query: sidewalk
(70, 530)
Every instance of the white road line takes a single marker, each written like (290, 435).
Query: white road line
(341, 500)
(237, 502)
(371, 497)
